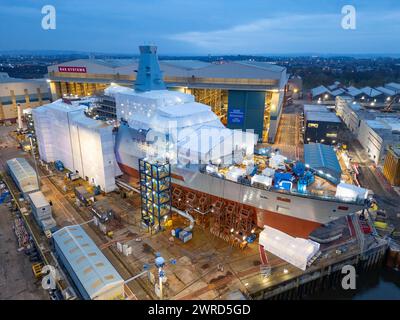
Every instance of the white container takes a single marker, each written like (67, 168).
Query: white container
(41, 208)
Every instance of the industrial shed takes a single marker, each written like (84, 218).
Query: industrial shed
(23, 175)
(91, 272)
(323, 159)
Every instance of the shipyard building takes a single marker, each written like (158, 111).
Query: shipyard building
(375, 131)
(23, 93)
(391, 168)
(91, 273)
(321, 125)
(244, 94)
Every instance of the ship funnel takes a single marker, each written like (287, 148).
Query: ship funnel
(149, 75)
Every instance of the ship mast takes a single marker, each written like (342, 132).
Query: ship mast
(149, 75)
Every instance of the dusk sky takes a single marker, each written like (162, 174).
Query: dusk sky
(203, 26)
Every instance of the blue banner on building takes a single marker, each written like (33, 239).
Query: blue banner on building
(235, 116)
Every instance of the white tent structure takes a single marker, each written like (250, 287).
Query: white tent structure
(277, 162)
(268, 172)
(267, 181)
(23, 175)
(350, 192)
(296, 251)
(234, 173)
(83, 145)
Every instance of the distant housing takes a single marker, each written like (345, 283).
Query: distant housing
(363, 95)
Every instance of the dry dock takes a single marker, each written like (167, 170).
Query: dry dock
(206, 267)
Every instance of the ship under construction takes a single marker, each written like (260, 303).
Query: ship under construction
(214, 170)
(203, 168)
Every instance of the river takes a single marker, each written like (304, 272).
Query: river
(380, 284)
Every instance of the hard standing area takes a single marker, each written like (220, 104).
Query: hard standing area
(16, 278)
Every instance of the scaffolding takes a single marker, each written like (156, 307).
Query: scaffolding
(155, 190)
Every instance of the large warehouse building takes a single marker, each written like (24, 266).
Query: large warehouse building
(244, 94)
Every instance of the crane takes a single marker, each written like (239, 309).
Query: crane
(388, 107)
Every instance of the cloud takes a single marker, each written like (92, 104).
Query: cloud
(307, 32)
(257, 33)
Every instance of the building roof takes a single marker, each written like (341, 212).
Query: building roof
(320, 156)
(371, 92)
(186, 68)
(377, 124)
(319, 90)
(240, 70)
(353, 91)
(338, 92)
(22, 170)
(92, 268)
(315, 107)
(386, 91)
(393, 122)
(5, 78)
(38, 199)
(186, 64)
(61, 106)
(394, 85)
(322, 116)
(113, 63)
(356, 106)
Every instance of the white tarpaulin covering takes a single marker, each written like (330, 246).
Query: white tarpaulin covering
(211, 168)
(268, 172)
(194, 131)
(234, 173)
(277, 162)
(267, 181)
(296, 251)
(350, 192)
(82, 144)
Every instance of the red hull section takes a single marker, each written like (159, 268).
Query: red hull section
(294, 226)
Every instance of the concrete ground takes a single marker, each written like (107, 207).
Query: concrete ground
(16, 277)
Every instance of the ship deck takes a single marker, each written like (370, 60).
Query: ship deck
(321, 188)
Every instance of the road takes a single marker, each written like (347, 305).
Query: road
(288, 139)
(370, 178)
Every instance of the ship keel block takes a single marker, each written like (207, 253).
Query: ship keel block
(293, 226)
(128, 170)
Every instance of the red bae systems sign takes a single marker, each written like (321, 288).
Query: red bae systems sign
(72, 69)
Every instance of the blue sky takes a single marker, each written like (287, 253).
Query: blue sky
(203, 26)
